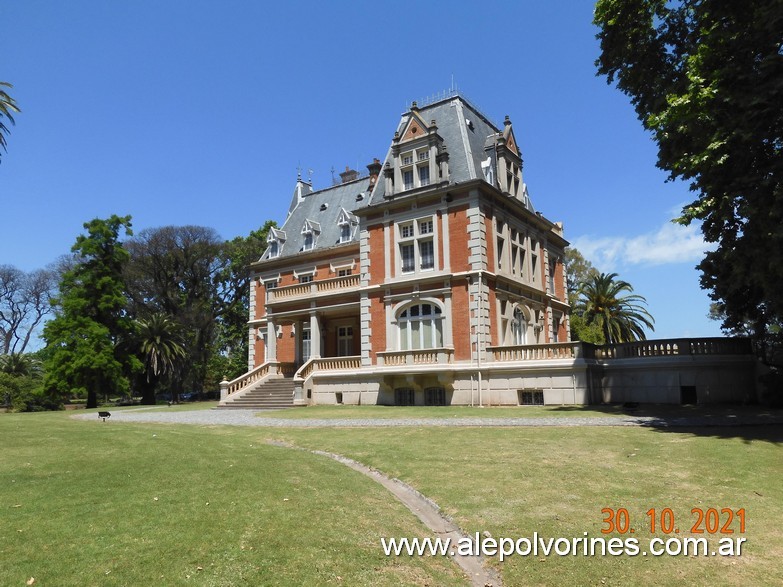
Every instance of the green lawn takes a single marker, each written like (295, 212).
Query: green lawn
(390, 412)
(88, 503)
(513, 482)
(92, 503)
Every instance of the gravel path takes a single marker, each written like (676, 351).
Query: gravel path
(256, 418)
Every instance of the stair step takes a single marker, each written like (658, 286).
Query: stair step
(273, 394)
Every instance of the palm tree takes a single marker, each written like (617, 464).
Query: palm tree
(7, 106)
(621, 318)
(161, 347)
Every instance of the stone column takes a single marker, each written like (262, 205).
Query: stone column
(315, 336)
(271, 340)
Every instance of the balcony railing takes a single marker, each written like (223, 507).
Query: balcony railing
(323, 286)
(537, 352)
(675, 346)
(416, 357)
(328, 364)
(627, 350)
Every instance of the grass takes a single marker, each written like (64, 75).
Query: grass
(88, 503)
(513, 482)
(334, 412)
(392, 412)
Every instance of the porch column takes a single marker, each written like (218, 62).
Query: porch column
(315, 336)
(271, 340)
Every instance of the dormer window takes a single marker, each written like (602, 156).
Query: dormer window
(347, 222)
(415, 168)
(310, 231)
(276, 240)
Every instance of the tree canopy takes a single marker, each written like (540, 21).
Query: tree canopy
(7, 108)
(611, 305)
(706, 78)
(86, 336)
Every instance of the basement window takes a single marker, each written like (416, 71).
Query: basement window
(531, 397)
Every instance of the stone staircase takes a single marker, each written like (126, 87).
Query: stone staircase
(273, 394)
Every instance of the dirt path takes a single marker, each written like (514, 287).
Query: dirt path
(426, 510)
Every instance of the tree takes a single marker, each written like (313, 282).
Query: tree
(161, 349)
(621, 318)
(578, 271)
(84, 339)
(706, 78)
(7, 107)
(232, 329)
(25, 300)
(177, 270)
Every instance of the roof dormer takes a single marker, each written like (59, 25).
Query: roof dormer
(276, 239)
(347, 223)
(415, 161)
(310, 230)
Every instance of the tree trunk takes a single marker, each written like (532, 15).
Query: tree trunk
(92, 399)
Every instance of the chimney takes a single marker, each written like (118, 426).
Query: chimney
(349, 175)
(375, 169)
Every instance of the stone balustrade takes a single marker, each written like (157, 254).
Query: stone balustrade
(323, 286)
(416, 357)
(673, 347)
(627, 350)
(537, 352)
(328, 364)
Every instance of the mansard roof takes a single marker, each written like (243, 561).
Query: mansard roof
(320, 210)
(465, 132)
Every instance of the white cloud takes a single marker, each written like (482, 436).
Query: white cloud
(671, 243)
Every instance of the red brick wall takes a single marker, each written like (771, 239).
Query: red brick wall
(458, 239)
(461, 320)
(377, 263)
(378, 323)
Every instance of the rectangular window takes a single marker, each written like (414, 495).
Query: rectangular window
(407, 158)
(425, 227)
(270, 284)
(306, 278)
(345, 341)
(345, 233)
(274, 249)
(344, 272)
(434, 396)
(427, 255)
(308, 241)
(531, 398)
(407, 179)
(403, 396)
(424, 155)
(424, 175)
(406, 230)
(408, 260)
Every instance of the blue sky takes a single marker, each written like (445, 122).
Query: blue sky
(200, 112)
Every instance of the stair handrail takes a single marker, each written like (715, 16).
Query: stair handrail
(246, 379)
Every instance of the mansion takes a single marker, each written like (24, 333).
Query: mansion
(433, 280)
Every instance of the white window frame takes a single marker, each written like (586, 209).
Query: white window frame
(412, 329)
(411, 163)
(413, 236)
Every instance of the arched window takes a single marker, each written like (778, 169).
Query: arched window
(420, 327)
(519, 327)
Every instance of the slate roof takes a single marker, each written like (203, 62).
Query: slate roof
(320, 208)
(468, 136)
(465, 142)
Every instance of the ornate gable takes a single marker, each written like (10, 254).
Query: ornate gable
(415, 129)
